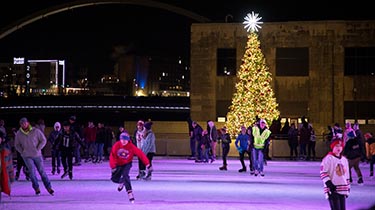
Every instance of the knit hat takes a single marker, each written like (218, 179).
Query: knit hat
(335, 142)
(124, 136)
(148, 125)
(23, 120)
(66, 123)
(140, 122)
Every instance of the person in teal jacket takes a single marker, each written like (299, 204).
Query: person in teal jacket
(242, 145)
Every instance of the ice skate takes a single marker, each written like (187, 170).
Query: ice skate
(50, 191)
(223, 168)
(70, 175)
(64, 174)
(131, 196)
(141, 175)
(147, 177)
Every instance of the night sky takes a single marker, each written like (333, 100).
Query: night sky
(86, 37)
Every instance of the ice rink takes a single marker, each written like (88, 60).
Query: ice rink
(181, 184)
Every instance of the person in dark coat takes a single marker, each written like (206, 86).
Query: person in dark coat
(293, 141)
(197, 135)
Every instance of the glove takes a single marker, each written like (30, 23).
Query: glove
(149, 168)
(239, 149)
(331, 186)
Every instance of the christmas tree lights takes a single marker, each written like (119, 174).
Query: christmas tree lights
(254, 96)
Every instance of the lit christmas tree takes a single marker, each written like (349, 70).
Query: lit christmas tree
(254, 96)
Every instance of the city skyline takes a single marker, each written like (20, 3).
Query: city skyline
(87, 37)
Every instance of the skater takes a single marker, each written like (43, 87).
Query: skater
(149, 147)
(139, 141)
(370, 152)
(334, 172)
(120, 161)
(213, 136)
(225, 143)
(261, 136)
(206, 147)
(56, 157)
(6, 165)
(66, 143)
(29, 142)
(21, 166)
(242, 145)
(353, 151)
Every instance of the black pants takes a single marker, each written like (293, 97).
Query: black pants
(311, 149)
(293, 149)
(242, 157)
(225, 154)
(67, 159)
(192, 146)
(337, 201)
(121, 175)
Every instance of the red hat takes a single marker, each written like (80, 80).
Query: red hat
(140, 122)
(335, 142)
(368, 135)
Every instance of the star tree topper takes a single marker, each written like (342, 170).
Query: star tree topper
(252, 22)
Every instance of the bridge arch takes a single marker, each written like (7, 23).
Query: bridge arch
(86, 3)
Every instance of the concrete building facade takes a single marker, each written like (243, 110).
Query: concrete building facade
(311, 63)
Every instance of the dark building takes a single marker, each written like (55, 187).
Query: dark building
(321, 69)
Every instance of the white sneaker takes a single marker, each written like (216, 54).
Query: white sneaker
(120, 187)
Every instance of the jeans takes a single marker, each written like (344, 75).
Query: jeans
(99, 151)
(56, 158)
(258, 159)
(33, 163)
(206, 154)
(77, 153)
(90, 150)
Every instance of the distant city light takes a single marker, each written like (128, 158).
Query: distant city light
(18, 60)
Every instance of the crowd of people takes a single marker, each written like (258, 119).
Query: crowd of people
(252, 141)
(69, 141)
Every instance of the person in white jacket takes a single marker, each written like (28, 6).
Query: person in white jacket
(334, 172)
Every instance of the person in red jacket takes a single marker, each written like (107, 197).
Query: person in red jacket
(120, 161)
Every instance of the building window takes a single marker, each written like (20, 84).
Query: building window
(359, 61)
(226, 62)
(292, 61)
(359, 110)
